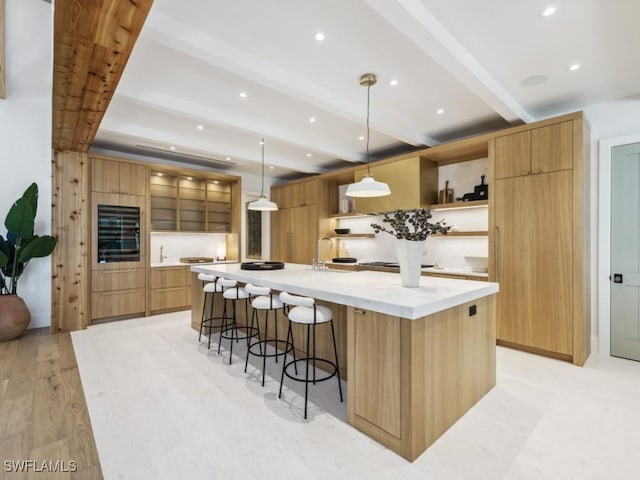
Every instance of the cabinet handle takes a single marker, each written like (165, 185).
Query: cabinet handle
(537, 172)
(118, 292)
(167, 289)
(524, 172)
(496, 253)
(118, 271)
(359, 311)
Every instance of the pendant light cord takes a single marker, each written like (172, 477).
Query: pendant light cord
(262, 187)
(368, 168)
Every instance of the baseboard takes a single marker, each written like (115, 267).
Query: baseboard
(39, 321)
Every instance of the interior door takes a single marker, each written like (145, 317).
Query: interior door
(625, 251)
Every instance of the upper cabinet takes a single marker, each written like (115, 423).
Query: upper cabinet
(299, 194)
(112, 176)
(181, 203)
(539, 150)
(413, 183)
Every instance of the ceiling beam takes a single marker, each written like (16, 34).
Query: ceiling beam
(200, 113)
(178, 36)
(93, 40)
(412, 19)
(3, 82)
(188, 145)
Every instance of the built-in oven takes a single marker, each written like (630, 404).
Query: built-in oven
(118, 233)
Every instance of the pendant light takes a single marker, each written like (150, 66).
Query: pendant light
(368, 186)
(262, 203)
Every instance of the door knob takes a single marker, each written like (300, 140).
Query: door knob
(617, 278)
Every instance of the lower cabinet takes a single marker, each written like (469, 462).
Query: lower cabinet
(170, 288)
(117, 293)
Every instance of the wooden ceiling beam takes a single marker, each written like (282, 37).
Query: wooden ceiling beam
(93, 40)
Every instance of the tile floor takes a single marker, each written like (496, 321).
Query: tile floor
(164, 407)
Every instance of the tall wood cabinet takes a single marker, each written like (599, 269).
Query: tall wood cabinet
(538, 217)
(295, 225)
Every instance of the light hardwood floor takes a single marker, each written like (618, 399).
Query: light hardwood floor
(43, 412)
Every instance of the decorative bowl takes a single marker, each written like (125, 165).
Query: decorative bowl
(342, 231)
(477, 264)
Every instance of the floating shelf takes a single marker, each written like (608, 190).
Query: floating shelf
(354, 235)
(452, 206)
(351, 215)
(480, 233)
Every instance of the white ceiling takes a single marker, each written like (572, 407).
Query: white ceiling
(468, 57)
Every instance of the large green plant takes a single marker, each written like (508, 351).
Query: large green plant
(21, 245)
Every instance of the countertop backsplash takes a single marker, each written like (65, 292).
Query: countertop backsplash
(176, 245)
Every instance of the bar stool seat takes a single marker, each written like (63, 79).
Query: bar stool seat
(229, 330)
(305, 311)
(265, 300)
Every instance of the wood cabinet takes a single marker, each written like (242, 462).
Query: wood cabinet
(294, 233)
(297, 194)
(532, 152)
(182, 203)
(170, 288)
(117, 293)
(413, 183)
(537, 235)
(113, 176)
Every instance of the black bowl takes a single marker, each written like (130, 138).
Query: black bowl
(342, 231)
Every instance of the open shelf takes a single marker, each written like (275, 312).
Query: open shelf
(455, 205)
(479, 233)
(353, 235)
(351, 215)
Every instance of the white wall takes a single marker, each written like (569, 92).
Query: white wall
(610, 122)
(25, 134)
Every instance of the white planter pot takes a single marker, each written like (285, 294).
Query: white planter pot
(410, 260)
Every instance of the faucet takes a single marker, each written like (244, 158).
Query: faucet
(319, 247)
(162, 256)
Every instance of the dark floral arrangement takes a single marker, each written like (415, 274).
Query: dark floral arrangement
(411, 224)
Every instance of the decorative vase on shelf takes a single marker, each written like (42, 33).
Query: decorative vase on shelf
(409, 254)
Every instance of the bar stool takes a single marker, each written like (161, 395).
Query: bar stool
(265, 300)
(234, 294)
(306, 312)
(210, 287)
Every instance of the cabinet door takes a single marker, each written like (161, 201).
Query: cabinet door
(533, 218)
(133, 179)
(281, 235)
(304, 228)
(117, 303)
(552, 148)
(513, 155)
(105, 175)
(163, 277)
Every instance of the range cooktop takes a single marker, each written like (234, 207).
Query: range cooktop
(386, 264)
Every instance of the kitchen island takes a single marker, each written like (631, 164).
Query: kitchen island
(416, 358)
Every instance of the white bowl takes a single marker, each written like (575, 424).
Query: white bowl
(477, 264)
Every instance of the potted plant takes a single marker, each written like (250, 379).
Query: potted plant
(16, 250)
(411, 228)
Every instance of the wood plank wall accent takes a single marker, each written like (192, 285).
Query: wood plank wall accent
(71, 215)
(92, 43)
(3, 84)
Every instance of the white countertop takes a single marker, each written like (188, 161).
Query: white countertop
(375, 291)
(176, 263)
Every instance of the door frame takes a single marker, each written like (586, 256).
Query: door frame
(604, 237)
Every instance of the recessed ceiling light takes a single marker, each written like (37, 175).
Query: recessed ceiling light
(547, 12)
(574, 67)
(393, 82)
(172, 147)
(534, 80)
(159, 174)
(308, 154)
(361, 137)
(228, 159)
(440, 111)
(271, 167)
(200, 127)
(319, 36)
(243, 94)
(312, 119)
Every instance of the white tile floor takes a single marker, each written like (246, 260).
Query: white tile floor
(164, 407)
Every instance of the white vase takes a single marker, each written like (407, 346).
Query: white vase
(410, 260)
